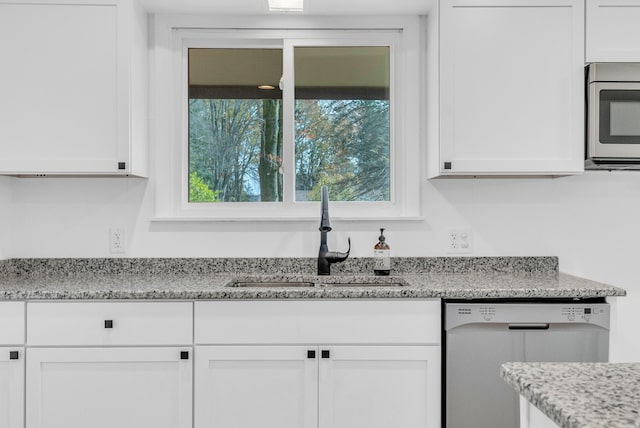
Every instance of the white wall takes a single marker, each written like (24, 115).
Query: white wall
(581, 219)
(5, 216)
(590, 221)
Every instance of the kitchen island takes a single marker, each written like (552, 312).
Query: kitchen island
(580, 395)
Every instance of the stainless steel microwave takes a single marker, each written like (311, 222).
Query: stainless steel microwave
(613, 105)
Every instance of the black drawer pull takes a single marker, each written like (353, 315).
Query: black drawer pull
(326, 353)
(108, 323)
(184, 355)
(13, 355)
(311, 354)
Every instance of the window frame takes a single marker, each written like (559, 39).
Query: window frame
(171, 129)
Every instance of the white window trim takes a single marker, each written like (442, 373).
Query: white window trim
(174, 34)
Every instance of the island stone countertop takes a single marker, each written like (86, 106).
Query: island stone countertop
(434, 277)
(580, 395)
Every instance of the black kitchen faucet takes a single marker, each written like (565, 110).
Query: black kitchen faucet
(326, 257)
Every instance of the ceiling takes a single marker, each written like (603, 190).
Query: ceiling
(311, 7)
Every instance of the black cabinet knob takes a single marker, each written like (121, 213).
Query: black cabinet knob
(311, 354)
(13, 355)
(184, 355)
(108, 323)
(326, 353)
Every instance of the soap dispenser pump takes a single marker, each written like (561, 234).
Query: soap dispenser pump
(382, 256)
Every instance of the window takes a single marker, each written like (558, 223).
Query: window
(235, 125)
(269, 116)
(342, 137)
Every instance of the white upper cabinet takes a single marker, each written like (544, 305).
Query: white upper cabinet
(613, 31)
(73, 87)
(511, 88)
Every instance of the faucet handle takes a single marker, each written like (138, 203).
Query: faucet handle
(337, 256)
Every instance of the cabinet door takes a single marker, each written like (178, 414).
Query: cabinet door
(613, 31)
(11, 387)
(256, 386)
(512, 94)
(379, 387)
(109, 387)
(64, 87)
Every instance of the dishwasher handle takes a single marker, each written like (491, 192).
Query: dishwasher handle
(529, 326)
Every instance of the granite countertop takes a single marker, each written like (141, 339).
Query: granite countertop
(439, 277)
(580, 395)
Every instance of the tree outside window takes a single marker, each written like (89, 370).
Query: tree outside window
(341, 124)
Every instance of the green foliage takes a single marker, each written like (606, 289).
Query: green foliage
(224, 144)
(235, 149)
(199, 191)
(345, 145)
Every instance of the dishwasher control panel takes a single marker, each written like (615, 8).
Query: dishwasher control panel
(466, 313)
(581, 313)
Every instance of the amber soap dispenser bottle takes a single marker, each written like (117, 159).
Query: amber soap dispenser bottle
(381, 256)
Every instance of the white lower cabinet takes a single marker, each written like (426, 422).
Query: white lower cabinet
(325, 386)
(317, 364)
(109, 364)
(109, 387)
(255, 386)
(222, 364)
(11, 387)
(12, 332)
(379, 387)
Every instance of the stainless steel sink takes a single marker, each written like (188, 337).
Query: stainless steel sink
(366, 284)
(271, 284)
(315, 282)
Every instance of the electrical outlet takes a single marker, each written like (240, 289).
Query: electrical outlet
(117, 240)
(459, 241)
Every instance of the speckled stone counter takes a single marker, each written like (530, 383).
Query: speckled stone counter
(438, 277)
(580, 395)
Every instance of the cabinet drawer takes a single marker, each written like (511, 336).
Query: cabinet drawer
(318, 321)
(109, 323)
(11, 323)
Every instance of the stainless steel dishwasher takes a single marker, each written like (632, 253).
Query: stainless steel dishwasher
(479, 337)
